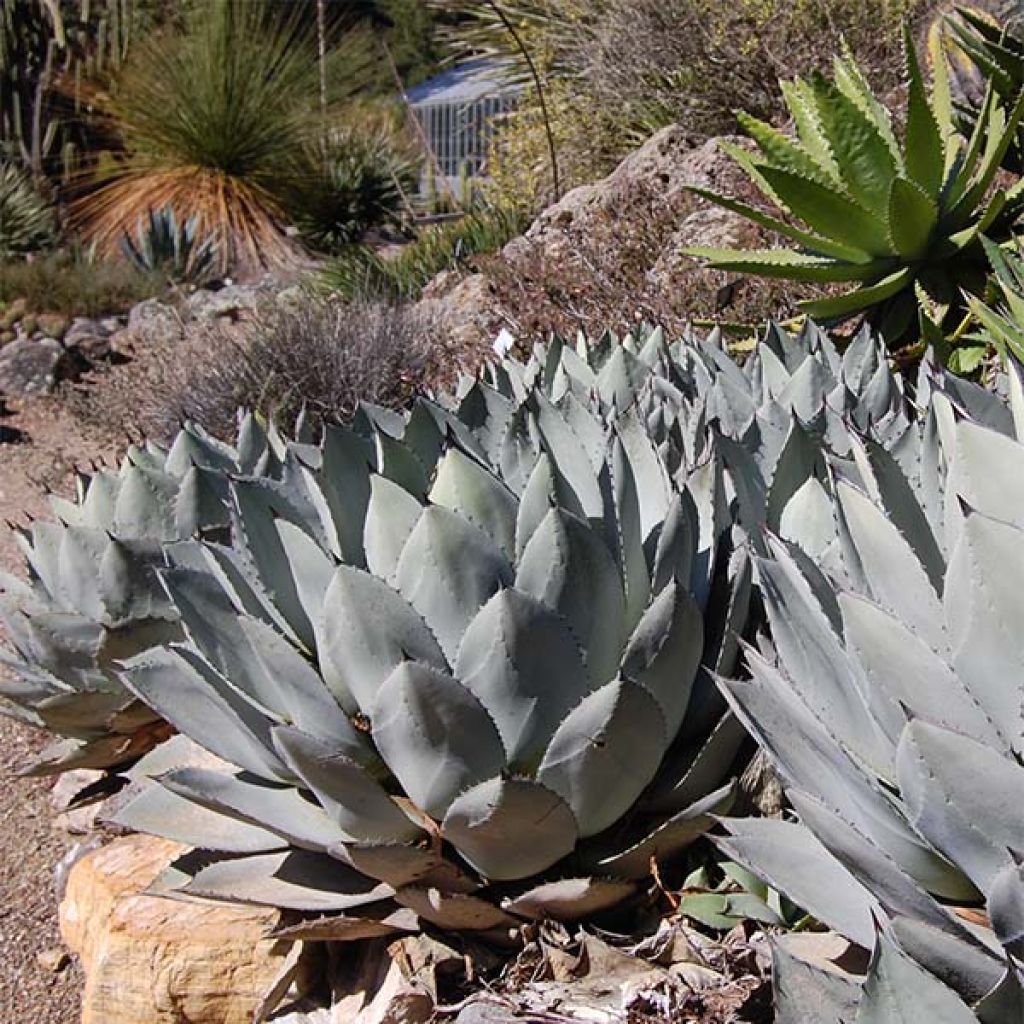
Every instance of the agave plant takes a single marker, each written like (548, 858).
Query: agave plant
(1001, 315)
(163, 246)
(91, 597)
(902, 219)
(889, 698)
(27, 222)
(459, 659)
(994, 55)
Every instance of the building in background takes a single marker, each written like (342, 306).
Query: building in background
(456, 111)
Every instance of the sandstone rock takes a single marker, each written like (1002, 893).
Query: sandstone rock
(29, 367)
(150, 960)
(53, 960)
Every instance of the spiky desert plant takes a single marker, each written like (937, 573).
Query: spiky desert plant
(91, 596)
(901, 218)
(890, 702)
(468, 647)
(213, 122)
(994, 55)
(166, 248)
(1001, 314)
(27, 223)
(357, 178)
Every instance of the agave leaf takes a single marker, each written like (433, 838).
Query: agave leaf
(521, 662)
(805, 994)
(567, 565)
(145, 504)
(781, 151)
(925, 145)
(508, 828)
(435, 736)
(840, 306)
(895, 576)
(453, 911)
(391, 515)
(371, 923)
(448, 571)
(278, 809)
(296, 880)
(351, 796)
(159, 812)
(908, 675)
(198, 701)
(866, 163)
(990, 472)
(605, 753)
(788, 857)
(898, 989)
(478, 496)
(368, 631)
(793, 266)
(664, 652)
(986, 599)
(961, 796)
(913, 216)
(569, 899)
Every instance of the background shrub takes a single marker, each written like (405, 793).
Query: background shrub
(324, 356)
(27, 223)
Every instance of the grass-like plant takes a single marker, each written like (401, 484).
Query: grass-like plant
(900, 218)
(361, 273)
(214, 121)
(27, 222)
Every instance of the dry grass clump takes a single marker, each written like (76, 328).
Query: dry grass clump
(324, 356)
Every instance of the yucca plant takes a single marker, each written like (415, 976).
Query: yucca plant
(213, 121)
(91, 597)
(902, 219)
(166, 248)
(889, 699)
(27, 222)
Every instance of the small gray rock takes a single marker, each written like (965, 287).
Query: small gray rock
(83, 328)
(155, 321)
(207, 305)
(30, 367)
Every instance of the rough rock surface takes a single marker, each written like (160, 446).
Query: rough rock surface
(31, 366)
(149, 960)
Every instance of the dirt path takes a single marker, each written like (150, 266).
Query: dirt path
(31, 990)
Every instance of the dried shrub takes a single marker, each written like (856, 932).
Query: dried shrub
(323, 356)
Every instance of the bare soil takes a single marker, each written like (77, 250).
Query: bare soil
(40, 444)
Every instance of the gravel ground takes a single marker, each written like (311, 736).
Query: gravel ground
(37, 984)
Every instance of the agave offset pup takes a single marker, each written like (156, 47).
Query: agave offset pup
(902, 219)
(460, 662)
(92, 597)
(890, 701)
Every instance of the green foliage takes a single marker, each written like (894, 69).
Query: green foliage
(215, 121)
(995, 57)
(27, 223)
(163, 248)
(902, 220)
(361, 274)
(360, 177)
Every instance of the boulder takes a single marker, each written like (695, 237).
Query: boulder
(154, 321)
(152, 960)
(31, 366)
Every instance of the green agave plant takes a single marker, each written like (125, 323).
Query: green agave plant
(1001, 315)
(890, 700)
(901, 218)
(995, 55)
(92, 597)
